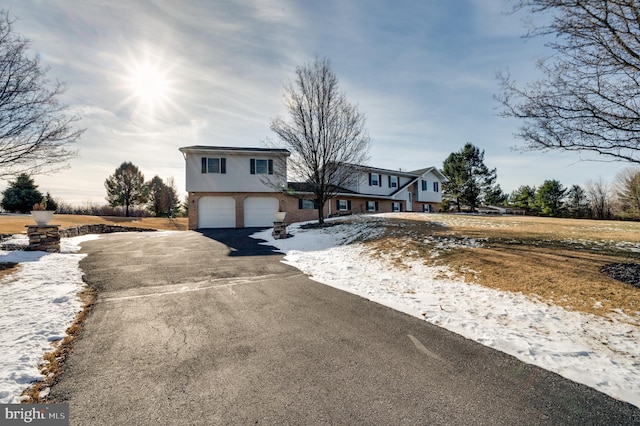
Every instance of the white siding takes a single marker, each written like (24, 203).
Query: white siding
(363, 186)
(237, 178)
(429, 196)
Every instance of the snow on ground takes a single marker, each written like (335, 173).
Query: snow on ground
(37, 305)
(603, 354)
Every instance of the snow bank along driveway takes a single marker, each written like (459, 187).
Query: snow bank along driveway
(37, 305)
(603, 354)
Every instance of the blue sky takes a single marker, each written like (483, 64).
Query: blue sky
(150, 76)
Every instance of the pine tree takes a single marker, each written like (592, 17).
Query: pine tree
(21, 195)
(469, 178)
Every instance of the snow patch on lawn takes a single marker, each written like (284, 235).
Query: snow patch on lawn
(38, 303)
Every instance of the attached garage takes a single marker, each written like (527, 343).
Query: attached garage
(260, 211)
(216, 212)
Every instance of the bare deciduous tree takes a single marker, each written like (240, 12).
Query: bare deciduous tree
(35, 130)
(627, 189)
(599, 195)
(589, 97)
(324, 132)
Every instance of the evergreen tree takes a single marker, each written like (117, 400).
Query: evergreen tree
(494, 196)
(163, 197)
(21, 195)
(469, 178)
(524, 197)
(549, 198)
(155, 188)
(577, 203)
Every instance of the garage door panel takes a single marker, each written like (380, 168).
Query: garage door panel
(216, 212)
(260, 211)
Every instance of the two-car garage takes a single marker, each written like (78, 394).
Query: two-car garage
(220, 211)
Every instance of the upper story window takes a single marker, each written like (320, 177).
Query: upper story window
(436, 186)
(261, 167)
(424, 185)
(374, 179)
(214, 165)
(393, 181)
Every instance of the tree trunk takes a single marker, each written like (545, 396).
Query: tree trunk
(320, 212)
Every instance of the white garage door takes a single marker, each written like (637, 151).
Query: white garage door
(216, 212)
(260, 211)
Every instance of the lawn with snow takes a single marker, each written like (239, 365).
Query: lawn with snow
(38, 303)
(598, 352)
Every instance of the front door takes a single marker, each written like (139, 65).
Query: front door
(409, 201)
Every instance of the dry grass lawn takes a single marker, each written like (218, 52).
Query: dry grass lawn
(15, 224)
(552, 260)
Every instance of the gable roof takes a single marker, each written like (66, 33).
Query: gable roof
(433, 170)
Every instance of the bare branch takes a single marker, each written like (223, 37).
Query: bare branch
(35, 131)
(324, 132)
(589, 98)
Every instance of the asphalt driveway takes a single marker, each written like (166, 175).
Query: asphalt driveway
(210, 328)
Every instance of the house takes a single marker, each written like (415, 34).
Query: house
(244, 187)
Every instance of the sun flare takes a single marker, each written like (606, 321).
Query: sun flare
(148, 83)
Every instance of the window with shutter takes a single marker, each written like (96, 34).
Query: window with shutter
(214, 165)
(261, 166)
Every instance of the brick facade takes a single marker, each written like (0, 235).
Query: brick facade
(290, 205)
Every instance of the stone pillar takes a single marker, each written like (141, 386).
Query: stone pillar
(44, 238)
(279, 230)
